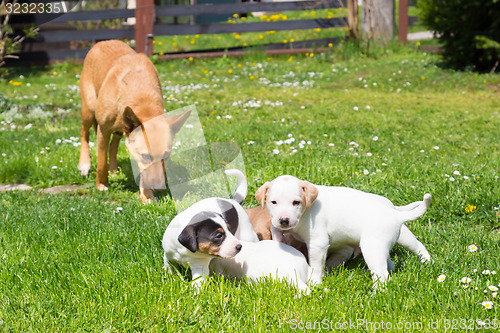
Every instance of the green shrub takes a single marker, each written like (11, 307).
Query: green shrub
(462, 27)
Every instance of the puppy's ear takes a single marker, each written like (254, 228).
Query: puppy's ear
(261, 193)
(310, 192)
(130, 120)
(177, 121)
(229, 214)
(188, 238)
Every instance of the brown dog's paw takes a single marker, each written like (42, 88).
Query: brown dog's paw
(102, 187)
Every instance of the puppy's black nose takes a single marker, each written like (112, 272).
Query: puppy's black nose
(238, 247)
(284, 221)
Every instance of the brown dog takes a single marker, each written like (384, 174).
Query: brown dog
(120, 91)
(261, 223)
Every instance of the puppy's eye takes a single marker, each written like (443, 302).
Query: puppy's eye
(274, 202)
(296, 202)
(219, 235)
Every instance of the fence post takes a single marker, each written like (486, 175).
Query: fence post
(352, 19)
(144, 21)
(403, 21)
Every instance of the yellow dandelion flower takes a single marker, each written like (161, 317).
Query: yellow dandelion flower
(292, 40)
(190, 59)
(160, 43)
(235, 15)
(229, 71)
(470, 208)
(237, 36)
(261, 37)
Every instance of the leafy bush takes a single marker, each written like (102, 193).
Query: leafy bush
(463, 26)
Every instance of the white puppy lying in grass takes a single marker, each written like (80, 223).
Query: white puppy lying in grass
(266, 259)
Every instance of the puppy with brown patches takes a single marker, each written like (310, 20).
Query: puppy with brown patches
(120, 91)
(210, 228)
(261, 223)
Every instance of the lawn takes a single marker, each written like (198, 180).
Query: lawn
(394, 123)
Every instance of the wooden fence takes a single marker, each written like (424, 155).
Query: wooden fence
(57, 44)
(52, 44)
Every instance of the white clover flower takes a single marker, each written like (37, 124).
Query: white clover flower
(466, 177)
(118, 210)
(365, 172)
(331, 144)
(279, 143)
(451, 179)
(369, 154)
(436, 147)
(251, 142)
(493, 272)
(58, 141)
(276, 151)
(375, 138)
(355, 108)
(290, 135)
(492, 288)
(472, 248)
(54, 167)
(486, 272)
(456, 173)
(487, 304)
(465, 280)
(441, 278)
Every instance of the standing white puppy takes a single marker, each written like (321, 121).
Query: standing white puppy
(335, 221)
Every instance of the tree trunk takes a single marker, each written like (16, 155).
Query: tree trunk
(377, 19)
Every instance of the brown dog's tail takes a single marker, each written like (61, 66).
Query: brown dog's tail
(242, 189)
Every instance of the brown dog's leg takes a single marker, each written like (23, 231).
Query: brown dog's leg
(113, 151)
(102, 159)
(87, 121)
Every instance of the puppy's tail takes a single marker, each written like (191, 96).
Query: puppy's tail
(242, 189)
(418, 209)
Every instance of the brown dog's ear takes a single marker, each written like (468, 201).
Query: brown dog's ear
(310, 192)
(177, 121)
(130, 120)
(261, 193)
(188, 238)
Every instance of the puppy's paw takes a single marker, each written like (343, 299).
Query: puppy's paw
(84, 169)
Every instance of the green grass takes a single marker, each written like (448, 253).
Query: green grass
(70, 262)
